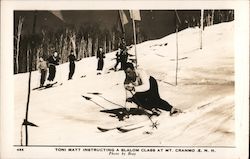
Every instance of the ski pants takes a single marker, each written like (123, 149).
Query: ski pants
(100, 64)
(151, 99)
(43, 76)
(123, 62)
(117, 62)
(52, 72)
(71, 70)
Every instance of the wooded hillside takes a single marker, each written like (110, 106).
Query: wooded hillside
(85, 38)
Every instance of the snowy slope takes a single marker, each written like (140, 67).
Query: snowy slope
(205, 91)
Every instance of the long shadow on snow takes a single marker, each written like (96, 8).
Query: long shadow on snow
(121, 113)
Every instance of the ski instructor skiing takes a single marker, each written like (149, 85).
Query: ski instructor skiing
(144, 91)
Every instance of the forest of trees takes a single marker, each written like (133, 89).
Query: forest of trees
(83, 41)
(86, 39)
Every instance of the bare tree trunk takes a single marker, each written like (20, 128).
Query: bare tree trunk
(28, 61)
(89, 46)
(82, 48)
(19, 31)
(95, 46)
(45, 51)
(212, 18)
(105, 44)
(64, 48)
(72, 37)
(61, 46)
(38, 53)
(113, 40)
(109, 45)
(79, 48)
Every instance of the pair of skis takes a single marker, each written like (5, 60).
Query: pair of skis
(45, 86)
(122, 129)
(127, 128)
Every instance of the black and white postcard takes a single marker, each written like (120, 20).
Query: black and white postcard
(124, 79)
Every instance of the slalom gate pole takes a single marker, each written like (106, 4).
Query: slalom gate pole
(30, 70)
(134, 32)
(201, 29)
(177, 56)
(177, 21)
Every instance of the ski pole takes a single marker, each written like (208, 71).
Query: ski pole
(99, 95)
(89, 99)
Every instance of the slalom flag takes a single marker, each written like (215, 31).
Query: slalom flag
(123, 17)
(58, 14)
(135, 14)
(123, 20)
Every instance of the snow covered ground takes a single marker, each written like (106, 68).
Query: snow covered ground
(205, 91)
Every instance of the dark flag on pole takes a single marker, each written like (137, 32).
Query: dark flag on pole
(122, 20)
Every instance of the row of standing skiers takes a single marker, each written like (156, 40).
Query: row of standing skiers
(121, 57)
(53, 61)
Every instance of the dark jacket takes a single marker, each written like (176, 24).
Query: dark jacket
(72, 58)
(100, 54)
(53, 60)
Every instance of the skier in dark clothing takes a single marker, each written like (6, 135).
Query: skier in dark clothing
(118, 58)
(122, 46)
(72, 59)
(53, 60)
(100, 56)
(144, 91)
(124, 58)
(42, 67)
(123, 54)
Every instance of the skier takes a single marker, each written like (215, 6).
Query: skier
(100, 56)
(123, 54)
(122, 46)
(118, 58)
(72, 59)
(53, 60)
(144, 91)
(124, 58)
(42, 67)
